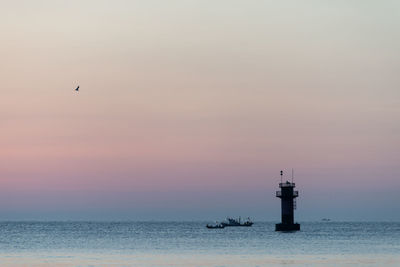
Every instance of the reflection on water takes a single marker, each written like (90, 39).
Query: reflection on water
(191, 244)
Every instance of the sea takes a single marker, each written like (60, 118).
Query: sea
(192, 244)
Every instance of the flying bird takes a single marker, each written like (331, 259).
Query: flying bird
(77, 88)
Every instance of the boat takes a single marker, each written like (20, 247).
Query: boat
(236, 222)
(215, 226)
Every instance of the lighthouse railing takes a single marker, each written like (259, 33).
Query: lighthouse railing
(287, 184)
(295, 193)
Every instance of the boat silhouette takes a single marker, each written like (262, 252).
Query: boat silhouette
(237, 222)
(215, 226)
(230, 222)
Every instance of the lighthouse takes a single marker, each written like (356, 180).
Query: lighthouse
(288, 204)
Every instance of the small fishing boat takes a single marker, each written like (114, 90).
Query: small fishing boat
(237, 222)
(215, 226)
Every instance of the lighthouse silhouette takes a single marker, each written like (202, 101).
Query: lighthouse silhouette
(288, 204)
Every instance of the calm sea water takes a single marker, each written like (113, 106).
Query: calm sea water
(192, 244)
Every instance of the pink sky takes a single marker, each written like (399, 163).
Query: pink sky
(193, 101)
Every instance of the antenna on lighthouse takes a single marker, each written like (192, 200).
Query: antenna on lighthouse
(281, 175)
(292, 175)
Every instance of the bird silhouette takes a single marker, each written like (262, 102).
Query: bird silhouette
(77, 88)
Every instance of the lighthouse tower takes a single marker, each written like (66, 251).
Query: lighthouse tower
(288, 204)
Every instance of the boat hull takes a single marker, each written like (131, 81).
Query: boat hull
(237, 225)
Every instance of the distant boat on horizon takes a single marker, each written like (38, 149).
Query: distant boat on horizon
(216, 226)
(231, 222)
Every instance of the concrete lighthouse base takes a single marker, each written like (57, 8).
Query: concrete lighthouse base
(287, 227)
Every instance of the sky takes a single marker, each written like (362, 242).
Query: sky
(188, 110)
